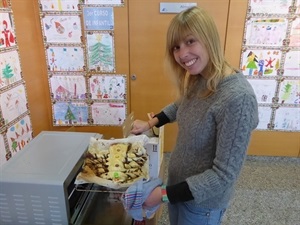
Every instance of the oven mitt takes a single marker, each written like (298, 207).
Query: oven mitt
(135, 196)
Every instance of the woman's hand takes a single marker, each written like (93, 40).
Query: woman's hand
(154, 198)
(140, 126)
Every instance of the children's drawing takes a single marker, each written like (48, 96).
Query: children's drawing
(287, 119)
(60, 5)
(19, 135)
(292, 64)
(264, 89)
(68, 87)
(266, 32)
(297, 6)
(101, 56)
(295, 33)
(271, 61)
(257, 62)
(105, 2)
(264, 116)
(3, 153)
(109, 113)
(70, 113)
(270, 6)
(7, 34)
(62, 29)
(98, 18)
(65, 59)
(4, 4)
(13, 103)
(108, 87)
(10, 71)
(289, 92)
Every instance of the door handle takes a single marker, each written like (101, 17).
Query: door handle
(133, 77)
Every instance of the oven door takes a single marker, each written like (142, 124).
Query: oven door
(102, 207)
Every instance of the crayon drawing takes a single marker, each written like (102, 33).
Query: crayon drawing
(62, 29)
(3, 154)
(108, 87)
(287, 119)
(68, 87)
(13, 103)
(297, 6)
(266, 32)
(10, 70)
(264, 89)
(101, 56)
(270, 6)
(19, 135)
(7, 33)
(264, 115)
(70, 114)
(292, 64)
(289, 92)
(295, 33)
(65, 59)
(109, 113)
(4, 3)
(59, 5)
(257, 62)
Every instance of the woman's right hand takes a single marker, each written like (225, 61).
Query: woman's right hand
(140, 126)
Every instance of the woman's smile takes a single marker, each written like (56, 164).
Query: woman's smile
(190, 63)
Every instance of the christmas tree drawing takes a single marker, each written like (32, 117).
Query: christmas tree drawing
(100, 55)
(69, 115)
(7, 72)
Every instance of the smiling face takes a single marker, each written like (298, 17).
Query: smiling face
(193, 48)
(192, 55)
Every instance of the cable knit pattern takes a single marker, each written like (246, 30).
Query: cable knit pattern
(212, 140)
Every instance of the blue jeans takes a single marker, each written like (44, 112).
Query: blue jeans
(186, 214)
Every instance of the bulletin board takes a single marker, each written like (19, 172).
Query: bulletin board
(15, 122)
(85, 88)
(271, 61)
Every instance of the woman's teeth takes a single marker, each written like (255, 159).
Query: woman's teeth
(189, 63)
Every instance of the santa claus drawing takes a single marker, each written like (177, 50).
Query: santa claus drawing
(8, 36)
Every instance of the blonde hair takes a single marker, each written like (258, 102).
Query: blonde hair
(197, 22)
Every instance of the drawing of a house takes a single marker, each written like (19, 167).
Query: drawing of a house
(62, 93)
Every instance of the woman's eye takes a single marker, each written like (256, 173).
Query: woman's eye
(175, 48)
(191, 41)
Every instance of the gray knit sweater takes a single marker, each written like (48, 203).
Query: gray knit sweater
(212, 140)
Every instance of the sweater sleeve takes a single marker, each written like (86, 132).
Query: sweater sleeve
(235, 122)
(179, 193)
(167, 115)
(171, 110)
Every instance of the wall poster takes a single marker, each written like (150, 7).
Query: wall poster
(80, 55)
(15, 122)
(270, 59)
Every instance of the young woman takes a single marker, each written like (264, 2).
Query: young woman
(216, 112)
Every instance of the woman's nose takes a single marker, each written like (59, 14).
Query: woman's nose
(183, 52)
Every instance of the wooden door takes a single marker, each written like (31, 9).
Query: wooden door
(150, 87)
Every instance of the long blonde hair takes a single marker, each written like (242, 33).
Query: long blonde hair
(197, 22)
